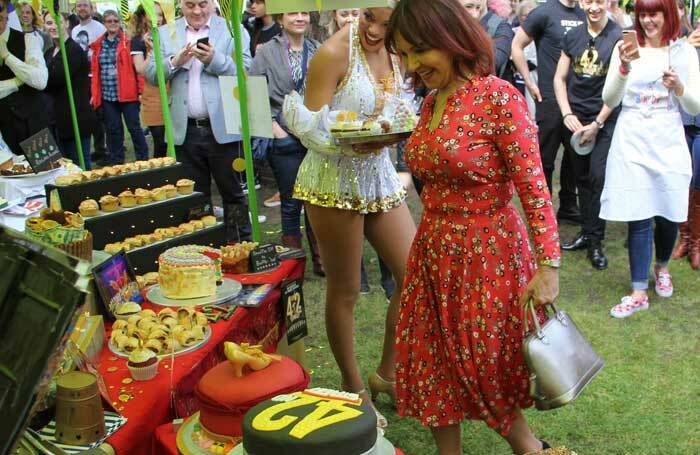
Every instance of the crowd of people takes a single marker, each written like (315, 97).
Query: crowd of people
(503, 87)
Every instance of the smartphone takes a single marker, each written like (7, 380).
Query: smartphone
(630, 37)
(204, 40)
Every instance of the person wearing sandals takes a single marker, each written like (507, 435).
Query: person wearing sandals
(460, 328)
(352, 192)
(284, 62)
(649, 167)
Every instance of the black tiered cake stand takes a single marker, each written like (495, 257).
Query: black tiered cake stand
(112, 227)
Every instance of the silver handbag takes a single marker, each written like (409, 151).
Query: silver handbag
(561, 361)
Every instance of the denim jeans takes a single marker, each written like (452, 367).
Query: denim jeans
(285, 157)
(69, 149)
(692, 135)
(641, 236)
(113, 112)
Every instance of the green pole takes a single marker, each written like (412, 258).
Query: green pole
(71, 101)
(245, 127)
(163, 92)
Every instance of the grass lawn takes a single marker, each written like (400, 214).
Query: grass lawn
(645, 401)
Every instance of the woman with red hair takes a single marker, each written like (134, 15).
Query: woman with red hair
(649, 166)
(471, 267)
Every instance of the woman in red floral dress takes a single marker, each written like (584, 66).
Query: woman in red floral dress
(460, 328)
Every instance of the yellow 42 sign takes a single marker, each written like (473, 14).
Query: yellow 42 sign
(275, 419)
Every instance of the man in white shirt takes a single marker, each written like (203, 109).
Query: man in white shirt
(23, 74)
(86, 33)
(202, 143)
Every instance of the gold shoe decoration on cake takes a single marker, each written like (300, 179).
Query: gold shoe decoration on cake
(246, 355)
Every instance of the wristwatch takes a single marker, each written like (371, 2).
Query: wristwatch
(600, 124)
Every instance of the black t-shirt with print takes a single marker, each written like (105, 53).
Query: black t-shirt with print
(590, 59)
(547, 25)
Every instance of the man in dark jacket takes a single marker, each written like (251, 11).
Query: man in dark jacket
(23, 75)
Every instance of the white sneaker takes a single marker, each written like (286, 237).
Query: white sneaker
(218, 211)
(629, 305)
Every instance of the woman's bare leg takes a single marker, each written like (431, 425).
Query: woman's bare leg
(340, 236)
(521, 438)
(448, 439)
(391, 234)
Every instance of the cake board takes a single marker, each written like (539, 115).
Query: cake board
(186, 444)
(229, 289)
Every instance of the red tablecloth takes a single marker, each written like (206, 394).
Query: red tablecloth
(151, 406)
(165, 441)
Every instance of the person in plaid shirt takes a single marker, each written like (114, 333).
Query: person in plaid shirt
(116, 89)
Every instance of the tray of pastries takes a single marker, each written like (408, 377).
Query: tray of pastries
(169, 331)
(112, 171)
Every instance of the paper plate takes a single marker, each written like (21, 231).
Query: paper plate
(228, 290)
(187, 350)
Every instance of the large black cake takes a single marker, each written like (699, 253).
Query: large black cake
(312, 422)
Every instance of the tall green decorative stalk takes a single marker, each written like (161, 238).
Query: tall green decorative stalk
(149, 8)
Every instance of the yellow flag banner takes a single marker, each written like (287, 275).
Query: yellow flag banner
(290, 6)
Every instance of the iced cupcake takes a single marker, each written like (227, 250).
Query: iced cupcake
(143, 364)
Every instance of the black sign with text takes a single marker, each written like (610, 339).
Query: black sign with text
(295, 315)
(41, 151)
(264, 258)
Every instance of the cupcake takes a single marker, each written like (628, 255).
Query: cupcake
(127, 199)
(143, 196)
(166, 233)
(170, 191)
(158, 194)
(143, 364)
(156, 162)
(109, 203)
(209, 220)
(187, 228)
(169, 161)
(133, 242)
(126, 310)
(198, 224)
(185, 186)
(88, 207)
(128, 167)
(111, 171)
(113, 248)
(89, 176)
(100, 173)
(142, 165)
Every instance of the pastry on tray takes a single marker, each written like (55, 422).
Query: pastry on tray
(170, 191)
(143, 196)
(127, 199)
(158, 194)
(209, 220)
(88, 207)
(109, 203)
(185, 186)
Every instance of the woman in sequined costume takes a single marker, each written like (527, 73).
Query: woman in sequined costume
(350, 193)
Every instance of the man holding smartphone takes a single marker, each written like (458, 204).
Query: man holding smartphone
(578, 86)
(546, 25)
(194, 57)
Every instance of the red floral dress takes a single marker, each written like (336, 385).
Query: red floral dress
(460, 327)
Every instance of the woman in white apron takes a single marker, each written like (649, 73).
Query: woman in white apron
(649, 166)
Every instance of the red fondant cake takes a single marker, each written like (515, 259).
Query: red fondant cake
(223, 399)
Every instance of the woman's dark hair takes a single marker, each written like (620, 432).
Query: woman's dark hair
(444, 25)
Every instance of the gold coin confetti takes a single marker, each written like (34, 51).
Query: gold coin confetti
(120, 408)
(127, 381)
(124, 398)
(112, 369)
(140, 391)
(112, 359)
(239, 165)
(166, 366)
(114, 403)
(111, 387)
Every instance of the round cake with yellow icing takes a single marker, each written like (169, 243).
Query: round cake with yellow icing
(189, 272)
(313, 422)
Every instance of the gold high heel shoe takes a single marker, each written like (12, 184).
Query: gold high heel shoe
(378, 384)
(244, 355)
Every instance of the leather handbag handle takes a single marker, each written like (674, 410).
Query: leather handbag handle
(530, 308)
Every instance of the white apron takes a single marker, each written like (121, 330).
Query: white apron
(649, 166)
